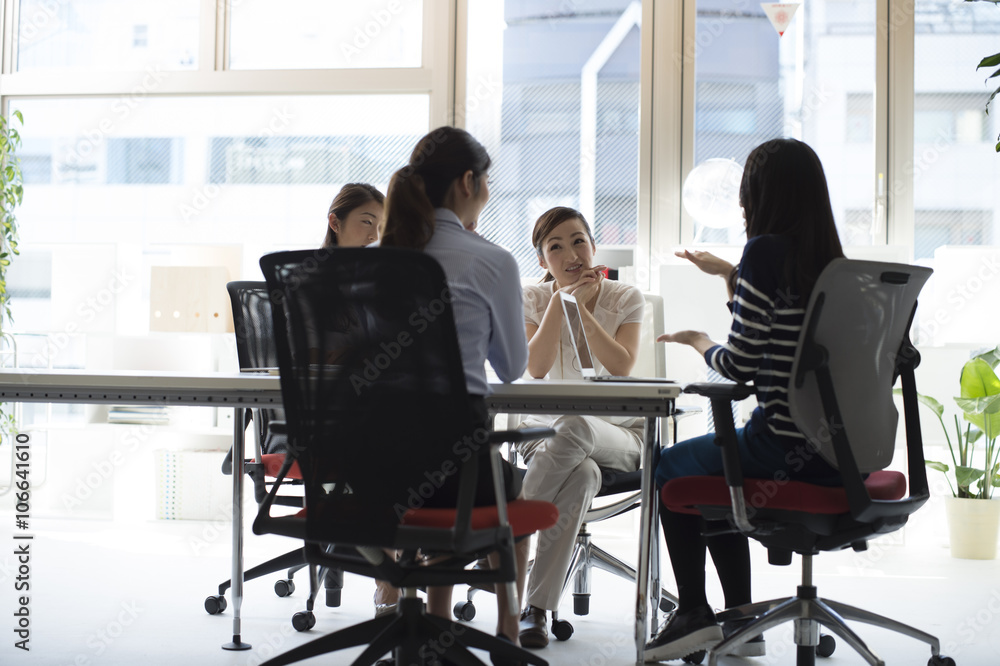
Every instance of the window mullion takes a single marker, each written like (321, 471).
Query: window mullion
(896, 127)
(9, 37)
(672, 125)
(213, 39)
(439, 54)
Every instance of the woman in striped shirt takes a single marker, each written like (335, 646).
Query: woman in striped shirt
(791, 236)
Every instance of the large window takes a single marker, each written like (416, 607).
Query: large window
(149, 143)
(255, 173)
(955, 172)
(813, 83)
(553, 92)
(107, 35)
(200, 133)
(319, 34)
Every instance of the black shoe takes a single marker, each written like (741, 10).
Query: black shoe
(755, 647)
(684, 634)
(534, 633)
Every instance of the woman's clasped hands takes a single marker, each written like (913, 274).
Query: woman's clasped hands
(588, 285)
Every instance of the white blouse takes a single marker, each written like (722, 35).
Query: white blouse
(617, 303)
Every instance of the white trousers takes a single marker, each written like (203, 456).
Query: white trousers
(565, 470)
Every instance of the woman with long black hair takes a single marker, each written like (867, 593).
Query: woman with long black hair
(791, 237)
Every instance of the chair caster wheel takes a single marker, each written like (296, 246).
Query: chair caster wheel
(941, 660)
(464, 611)
(303, 621)
(215, 605)
(695, 657)
(581, 604)
(284, 588)
(562, 630)
(827, 645)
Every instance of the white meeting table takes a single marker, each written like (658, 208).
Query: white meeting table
(241, 391)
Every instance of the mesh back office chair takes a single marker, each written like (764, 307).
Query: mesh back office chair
(619, 493)
(378, 419)
(256, 350)
(854, 344)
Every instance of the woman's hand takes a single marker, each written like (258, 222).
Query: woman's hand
(707, 262)
(587, 285)
(697, 339)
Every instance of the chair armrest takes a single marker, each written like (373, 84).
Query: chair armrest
(721, 396)
(686, 411)
(732, 392)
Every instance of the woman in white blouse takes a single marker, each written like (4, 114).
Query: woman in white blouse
(565, 470)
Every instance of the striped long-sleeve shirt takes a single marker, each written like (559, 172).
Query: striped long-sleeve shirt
(767, 319)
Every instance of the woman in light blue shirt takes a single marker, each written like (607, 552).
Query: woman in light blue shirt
(433, 204)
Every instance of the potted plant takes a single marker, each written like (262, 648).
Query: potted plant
(11, 192)
(990, 61)
(974, 470)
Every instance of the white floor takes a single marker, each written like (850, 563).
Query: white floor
(105, 593)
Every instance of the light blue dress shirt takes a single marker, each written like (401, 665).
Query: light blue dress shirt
(485, 285)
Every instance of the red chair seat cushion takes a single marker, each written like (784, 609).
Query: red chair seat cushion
(525, 517)
(272, 465)
(683, 494)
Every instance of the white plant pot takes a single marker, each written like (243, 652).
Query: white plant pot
(972, 524)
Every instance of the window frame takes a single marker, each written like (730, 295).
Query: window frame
(434, 77)
(666, 128)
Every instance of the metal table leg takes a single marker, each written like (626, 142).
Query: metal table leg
(237, 574)
(647, 544)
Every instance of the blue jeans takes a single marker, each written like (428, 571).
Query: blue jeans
(761, 457)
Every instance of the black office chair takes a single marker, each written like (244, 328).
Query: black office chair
(378, 419)
(854, 345)
(256, 350)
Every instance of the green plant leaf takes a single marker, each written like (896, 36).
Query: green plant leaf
(979, 381)
(978, 406)
(926, 401)
(938, 466)
(989, 61)
(966, 476)
(992, 357)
